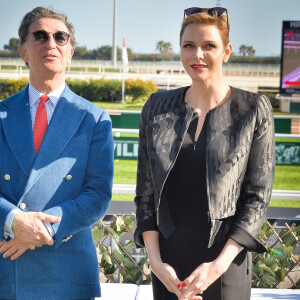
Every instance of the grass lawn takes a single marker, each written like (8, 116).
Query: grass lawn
(286, 178)
(119, 106)
(285, 203)
(125, 171)
(122, 197)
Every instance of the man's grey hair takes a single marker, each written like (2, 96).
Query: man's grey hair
(39, 13)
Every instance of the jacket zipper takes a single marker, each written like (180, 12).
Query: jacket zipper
(172, 164)
(207, 183)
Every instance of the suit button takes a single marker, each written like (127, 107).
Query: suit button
(7, 177)
(69, 177)
(22, 206)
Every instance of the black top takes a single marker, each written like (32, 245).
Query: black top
(185, 189)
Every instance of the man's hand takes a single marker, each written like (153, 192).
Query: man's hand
(13, 249)
(30, 230)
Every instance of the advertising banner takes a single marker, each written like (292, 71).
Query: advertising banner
(287, 153)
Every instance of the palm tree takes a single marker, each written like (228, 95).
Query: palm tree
(243, 50)
(251, 51)
(165, 48)
(160, 46)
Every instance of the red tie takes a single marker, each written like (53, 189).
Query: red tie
(40, 124)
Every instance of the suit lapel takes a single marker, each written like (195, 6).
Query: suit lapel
(18, 129)
(65, 121)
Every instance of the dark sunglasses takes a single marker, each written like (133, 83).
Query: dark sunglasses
(41, 36)
(211, 11)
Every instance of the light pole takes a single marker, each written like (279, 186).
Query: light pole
(114, 47)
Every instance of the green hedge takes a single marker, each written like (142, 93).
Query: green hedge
(100, 90)
(10, 87)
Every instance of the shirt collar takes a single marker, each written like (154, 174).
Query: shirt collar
(34, 94)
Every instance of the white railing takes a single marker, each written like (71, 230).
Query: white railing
(136, 131)
(155, 66)
(166, 75)
(276, 194)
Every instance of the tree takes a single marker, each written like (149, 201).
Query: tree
(251, 51)
(243, 50)
(80, 52)
(246, 50)
(13, 45)
(160, 46)
(130, 53)
(103, 52)
(165, 48)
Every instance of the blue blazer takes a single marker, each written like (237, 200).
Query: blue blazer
(78, 143)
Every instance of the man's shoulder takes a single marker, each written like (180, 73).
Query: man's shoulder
(85, 104)
(14, 99)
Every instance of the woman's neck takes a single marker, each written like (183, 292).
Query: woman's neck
(203, 96)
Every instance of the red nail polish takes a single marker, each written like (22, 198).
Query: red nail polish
(184, 285)
(179, 285)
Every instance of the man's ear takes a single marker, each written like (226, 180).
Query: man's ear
(23, 53)
(227, 52)
(70, 56)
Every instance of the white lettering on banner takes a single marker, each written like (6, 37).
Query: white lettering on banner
(295, 24)
(125, 151)
(135, 150)
(119, 148)
(286, 154)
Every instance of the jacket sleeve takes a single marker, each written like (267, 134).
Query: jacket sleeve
(144, 200)
(256, 189)
(5, 208)
(93, 201)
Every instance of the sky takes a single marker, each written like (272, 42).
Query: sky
(256, 23)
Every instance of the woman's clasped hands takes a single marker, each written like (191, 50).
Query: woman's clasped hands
(194, 285)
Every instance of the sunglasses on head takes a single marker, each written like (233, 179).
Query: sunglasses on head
(211, 11)
(61, 38)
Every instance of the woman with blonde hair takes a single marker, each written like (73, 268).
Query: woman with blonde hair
(205, 172)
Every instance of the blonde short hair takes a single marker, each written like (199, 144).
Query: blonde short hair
(204, 18)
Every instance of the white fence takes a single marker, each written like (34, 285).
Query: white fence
(166, 75)
(276, 194)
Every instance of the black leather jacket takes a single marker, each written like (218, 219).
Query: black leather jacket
(240, 158)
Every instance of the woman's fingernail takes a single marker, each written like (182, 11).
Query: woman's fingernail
(184, 285)
(178, 285)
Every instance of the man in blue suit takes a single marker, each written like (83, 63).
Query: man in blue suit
(56, 153)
